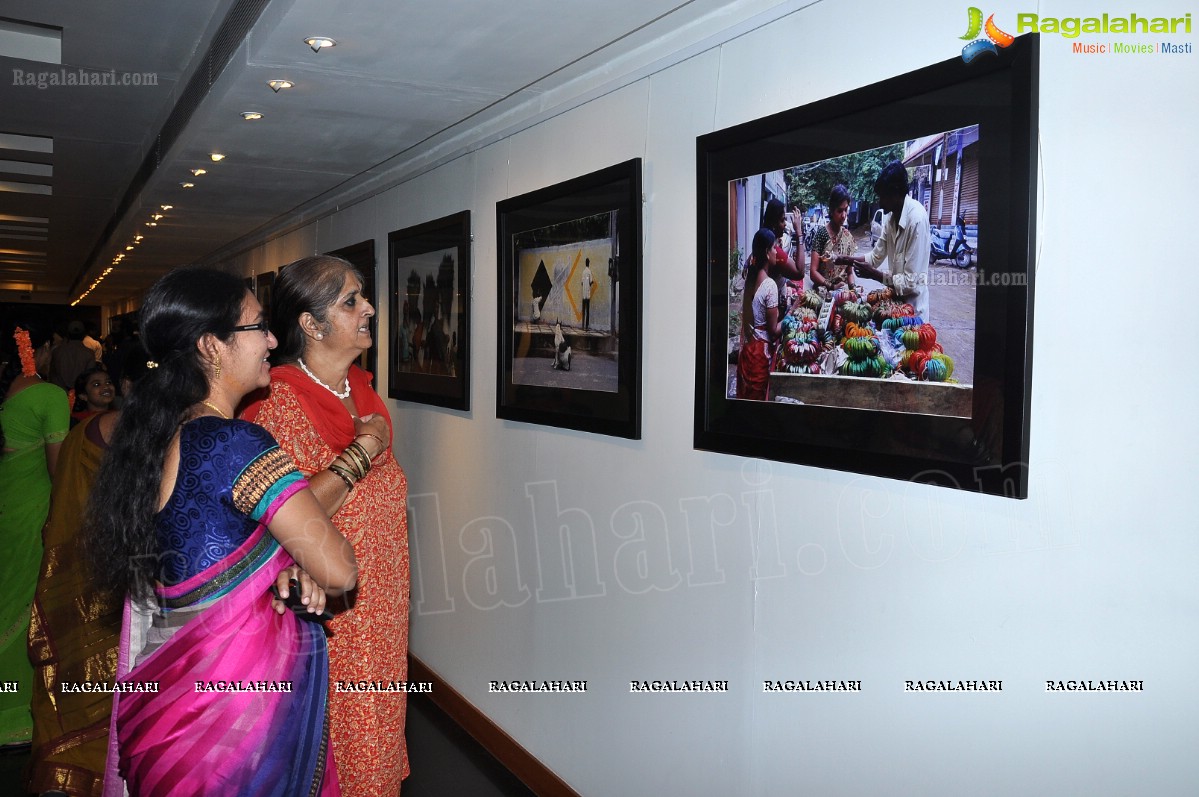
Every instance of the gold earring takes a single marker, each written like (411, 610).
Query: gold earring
(217, 373)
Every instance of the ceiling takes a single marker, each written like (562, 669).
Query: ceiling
(401, 77)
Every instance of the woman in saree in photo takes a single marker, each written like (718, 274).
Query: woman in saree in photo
(220, 689)
(760, 319)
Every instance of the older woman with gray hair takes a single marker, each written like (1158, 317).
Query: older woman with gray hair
(325, 413)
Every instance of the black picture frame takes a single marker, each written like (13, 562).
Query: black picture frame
(983, 447)
(590, 379)
(362, 257)
(264, 285)
(430, 364)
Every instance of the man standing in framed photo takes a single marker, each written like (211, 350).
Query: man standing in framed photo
(904, 244)
(588, 282)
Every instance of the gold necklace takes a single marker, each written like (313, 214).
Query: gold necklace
(215, 409)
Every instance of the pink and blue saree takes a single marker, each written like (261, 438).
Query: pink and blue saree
(241, 700)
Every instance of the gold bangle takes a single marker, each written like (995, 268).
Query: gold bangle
(382, 443)
(355, 448)
(353, 461)
(353, 465)
(344, 475)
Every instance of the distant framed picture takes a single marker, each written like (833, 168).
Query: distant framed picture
(866, 268)
(570, 304)
(263, 285)
(362, 256)
(430, 267)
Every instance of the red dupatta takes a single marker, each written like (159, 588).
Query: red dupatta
(326, 412)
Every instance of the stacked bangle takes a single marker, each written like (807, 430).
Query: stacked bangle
(352, 464)
(382, 442)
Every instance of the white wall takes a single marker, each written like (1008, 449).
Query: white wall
(820, 574)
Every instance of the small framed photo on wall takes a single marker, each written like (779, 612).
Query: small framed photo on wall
(429, 266)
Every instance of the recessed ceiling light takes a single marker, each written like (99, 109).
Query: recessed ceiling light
(138, 237)
(166, 207)
(151, 224)
(129, 248)
(317, 42)
(156, 216)
(279, 85)
(251, 116)
(217, 157)
(198, 172)
(187, 185)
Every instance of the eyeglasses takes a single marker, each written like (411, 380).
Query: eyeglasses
(262, 326)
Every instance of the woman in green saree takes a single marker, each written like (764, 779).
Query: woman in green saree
(34, 418)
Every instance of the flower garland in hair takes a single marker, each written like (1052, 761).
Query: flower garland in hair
(25, 349)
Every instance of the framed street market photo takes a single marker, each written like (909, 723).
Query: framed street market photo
(865, 278)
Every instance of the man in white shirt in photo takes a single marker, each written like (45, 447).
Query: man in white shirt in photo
(904, 244)
(587, 283)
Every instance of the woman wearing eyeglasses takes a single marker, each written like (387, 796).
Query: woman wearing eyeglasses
(325, 413)
(197, 516)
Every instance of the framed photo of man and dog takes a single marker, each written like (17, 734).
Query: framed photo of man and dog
(570, 304)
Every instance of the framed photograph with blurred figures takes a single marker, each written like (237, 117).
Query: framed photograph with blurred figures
(570, 304)
(866, 265)
(264, 285)
(429, 267)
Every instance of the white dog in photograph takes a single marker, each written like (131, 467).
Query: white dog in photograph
(561, 348)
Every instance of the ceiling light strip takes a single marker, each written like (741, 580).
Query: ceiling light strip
(22, 167)
(42, 220)
(26, 143)
(25, 188)
(30, 41)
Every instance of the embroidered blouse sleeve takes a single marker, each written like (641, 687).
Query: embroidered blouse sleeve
(265, 475)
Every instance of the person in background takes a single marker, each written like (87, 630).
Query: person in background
(198, 517)
(788, 271)
(71, 357)
(831, 241)
(34, 418)
(761, 321)
(94, 393)
(92, 343)
(76, 627)
(327, 416)
(586, 284)
(904, 245)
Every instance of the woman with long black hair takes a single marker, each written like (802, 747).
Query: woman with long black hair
(196, 516)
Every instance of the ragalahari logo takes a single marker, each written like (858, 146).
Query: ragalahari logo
(994, 39)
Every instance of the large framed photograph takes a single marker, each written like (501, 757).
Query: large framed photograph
(430, 312)
(866, 268)
(570, 304)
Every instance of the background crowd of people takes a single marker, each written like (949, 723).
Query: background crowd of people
(227, 511)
